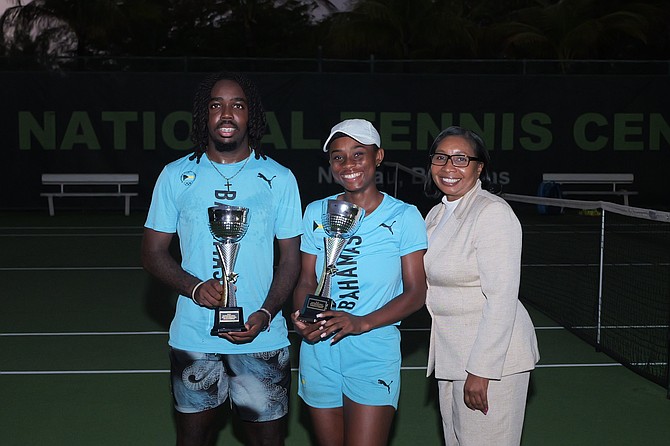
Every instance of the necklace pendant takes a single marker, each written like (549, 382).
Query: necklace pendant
(229, 194)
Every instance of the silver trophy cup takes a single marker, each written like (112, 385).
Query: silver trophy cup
(228, 224)
(340, 220)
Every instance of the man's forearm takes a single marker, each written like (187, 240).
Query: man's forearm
(282, 287)
(167, 270)
(285, 276)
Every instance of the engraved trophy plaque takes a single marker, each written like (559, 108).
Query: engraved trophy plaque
(228, 224)
(340, 220)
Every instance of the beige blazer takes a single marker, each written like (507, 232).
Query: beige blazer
(473, 267)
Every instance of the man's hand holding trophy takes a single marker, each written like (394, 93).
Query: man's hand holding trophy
(228, 224)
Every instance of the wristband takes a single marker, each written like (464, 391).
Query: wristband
(195, 288)
(269, 315)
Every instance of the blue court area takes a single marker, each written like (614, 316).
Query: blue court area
(83, 348)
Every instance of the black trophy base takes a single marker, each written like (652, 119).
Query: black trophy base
(314, 305)
(228, 319)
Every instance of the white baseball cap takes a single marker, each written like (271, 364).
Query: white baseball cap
(359, 129)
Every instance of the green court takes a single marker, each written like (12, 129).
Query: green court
(84, 354)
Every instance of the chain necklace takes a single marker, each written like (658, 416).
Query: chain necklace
(228, 183)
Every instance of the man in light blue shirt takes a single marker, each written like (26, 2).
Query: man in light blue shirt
(227, 167)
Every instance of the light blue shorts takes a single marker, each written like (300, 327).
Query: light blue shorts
(365, 368)
(257, 383)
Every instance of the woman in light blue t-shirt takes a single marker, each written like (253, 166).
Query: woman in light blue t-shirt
(350, 357)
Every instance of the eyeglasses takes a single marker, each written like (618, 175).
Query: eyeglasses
(440, 159)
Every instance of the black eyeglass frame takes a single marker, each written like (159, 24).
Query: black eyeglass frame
(449, 157)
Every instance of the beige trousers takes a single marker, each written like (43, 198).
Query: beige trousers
(503, 423)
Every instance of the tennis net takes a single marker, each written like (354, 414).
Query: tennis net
(601, 270)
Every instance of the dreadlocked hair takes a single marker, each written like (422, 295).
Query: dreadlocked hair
(257, 121)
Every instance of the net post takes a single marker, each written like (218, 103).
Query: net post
(667, 362)
(600, 280)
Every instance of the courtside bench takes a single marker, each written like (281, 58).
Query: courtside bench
(89, 185)
(604, 183)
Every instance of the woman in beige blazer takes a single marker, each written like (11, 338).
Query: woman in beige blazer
(482, 342)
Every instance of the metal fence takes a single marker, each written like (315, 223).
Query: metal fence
(325, 65)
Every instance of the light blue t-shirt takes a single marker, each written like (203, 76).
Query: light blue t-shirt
(183, 192)
(369, 272)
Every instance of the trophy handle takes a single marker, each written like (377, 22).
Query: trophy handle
(228, 256)
(333, 247)
(323, 287)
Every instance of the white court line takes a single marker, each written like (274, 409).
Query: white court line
(593, 327)
(71, 235)
(163, 371)
(56, 228)
(95, 268)
(553, 327)
(82, 372)
(559, 265)
(165, 333)
(145, 371)
(76, 268)
(88, 333)
(591, 265)
(142, 333)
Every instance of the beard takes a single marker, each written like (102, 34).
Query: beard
(223, 147)
(229, 144)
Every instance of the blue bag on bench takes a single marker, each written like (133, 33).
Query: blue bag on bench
(549, 189)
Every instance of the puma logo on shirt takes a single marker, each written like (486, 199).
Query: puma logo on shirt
(389, 227)
(269, 181)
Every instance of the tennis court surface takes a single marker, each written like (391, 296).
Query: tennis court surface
(83, 336)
